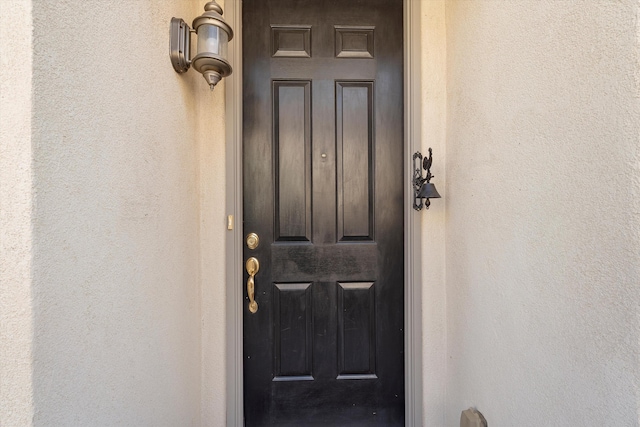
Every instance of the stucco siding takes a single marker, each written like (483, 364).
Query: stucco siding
(543, 218)
(116, 217)
(16, 169)
(434, 127)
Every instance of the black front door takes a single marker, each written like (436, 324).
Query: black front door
(323, 180)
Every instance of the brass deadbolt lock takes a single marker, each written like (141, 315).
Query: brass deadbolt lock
(252, 241)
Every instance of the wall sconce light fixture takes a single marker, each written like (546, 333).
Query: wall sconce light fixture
(422, 188)
(213, 36)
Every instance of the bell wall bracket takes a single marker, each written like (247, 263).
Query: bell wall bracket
(423, 189)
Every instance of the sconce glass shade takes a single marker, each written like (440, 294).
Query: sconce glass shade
(428, 191)
(213, 36)
(212, 39)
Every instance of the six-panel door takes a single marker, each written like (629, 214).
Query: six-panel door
(323, 150)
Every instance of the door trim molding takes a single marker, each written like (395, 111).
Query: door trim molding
(412, 225)
(233, 242)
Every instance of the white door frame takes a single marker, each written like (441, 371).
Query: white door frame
(412, 227)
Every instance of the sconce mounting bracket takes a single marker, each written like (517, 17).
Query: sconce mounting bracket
(180, 45)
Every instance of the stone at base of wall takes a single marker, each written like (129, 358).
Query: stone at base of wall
(472, 418)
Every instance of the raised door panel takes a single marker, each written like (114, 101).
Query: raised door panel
(355, 160)
(292, 151)
(293, 331)
(356, 331)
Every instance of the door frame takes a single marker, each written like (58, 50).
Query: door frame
(412, 224)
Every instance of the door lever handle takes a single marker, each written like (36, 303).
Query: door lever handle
(252, 268)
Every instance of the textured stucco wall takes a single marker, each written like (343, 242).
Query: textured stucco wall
(117, 159)
(434, 99)
(213, 231)
(112, 216)
(16, 332)
(543, 212)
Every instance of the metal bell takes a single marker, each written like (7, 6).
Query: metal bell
(428, 191)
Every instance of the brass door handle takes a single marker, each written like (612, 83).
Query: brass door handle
(252, 268)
